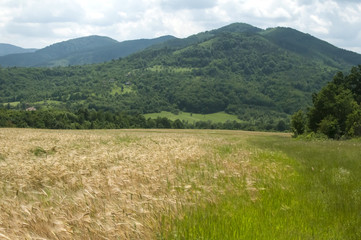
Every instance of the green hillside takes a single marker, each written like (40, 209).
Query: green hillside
(261, 76)
(6, 49)
(203, 36)
(311, 47)
(80, 51)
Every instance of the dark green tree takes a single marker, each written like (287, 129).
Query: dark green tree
(298, 123)
(335, 109)
(281, 126)
(353, 82)
(353, 123)
(330, 127)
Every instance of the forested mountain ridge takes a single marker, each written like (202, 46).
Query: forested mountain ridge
(311, 47)
(203, 36)
(76, 45)
(79, 51)
(262, 76)
(6, 49)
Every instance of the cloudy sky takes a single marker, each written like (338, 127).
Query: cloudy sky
(39, 23)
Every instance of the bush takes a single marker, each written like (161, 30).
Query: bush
(313, 136)
(330, 127)
(298, 123)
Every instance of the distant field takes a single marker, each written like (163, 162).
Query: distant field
(220, 117)
(157, 68)
(177, 184)
(12, 104)
(44, 103)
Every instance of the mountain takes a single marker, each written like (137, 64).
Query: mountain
(107, 53)
(262, 76)
(309, 46)
(85, 50)
(6, 49)
(200, 37)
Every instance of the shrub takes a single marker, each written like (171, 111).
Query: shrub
(298, 123)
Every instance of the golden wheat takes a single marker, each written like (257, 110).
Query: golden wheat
(109, 184)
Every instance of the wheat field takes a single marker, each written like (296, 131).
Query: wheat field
(176, 184)
(109, 184)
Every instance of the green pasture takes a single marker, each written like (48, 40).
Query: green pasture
(220, 117)
(286, 189)
(159, 68)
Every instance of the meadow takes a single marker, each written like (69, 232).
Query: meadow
(220, 117)
(177, 184)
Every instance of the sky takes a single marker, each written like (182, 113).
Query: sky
(39, 23)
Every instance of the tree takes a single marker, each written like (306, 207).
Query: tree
(333, 100)
(353, 82)
(178, 124)
(298, 123)
(281, 126)
(330, 127)
(336, 111)
(353, 123)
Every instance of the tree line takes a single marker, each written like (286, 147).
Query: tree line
(336, 110)
(92, 119)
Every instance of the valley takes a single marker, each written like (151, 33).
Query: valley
(257, 75)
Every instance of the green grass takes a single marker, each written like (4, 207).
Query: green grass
(45, 103)
(39, 151)
(301, 190)
(220, 117)
(49, 103)
(159, 68)
(12, 104)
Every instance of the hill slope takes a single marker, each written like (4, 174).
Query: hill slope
(261, 76)
(6, 49)
(85, 50)
(107, 53)
(311, 47)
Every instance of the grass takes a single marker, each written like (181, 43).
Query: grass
(220, 117)
(49, 103)
(12, 104)
(329, 182)
(177, 184)
(159, 68)
(301, 190)
(39, 151)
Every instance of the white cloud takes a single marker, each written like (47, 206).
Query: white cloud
(188, 4)
(351, 15)
(319, 25)
(36, 23)
(47, 11)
